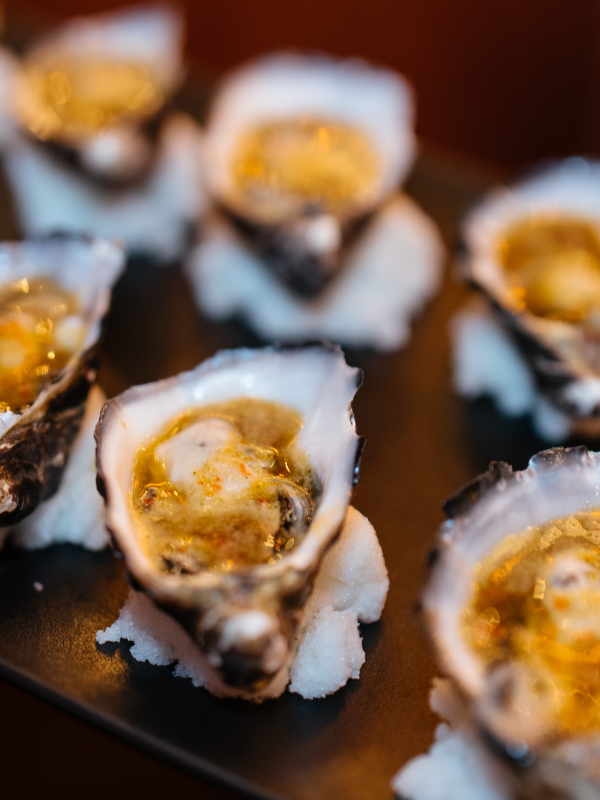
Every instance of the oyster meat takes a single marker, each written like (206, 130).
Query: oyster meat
(224, 488)
(534, 251)
(54, 293)
(300, 152)
(512, 606)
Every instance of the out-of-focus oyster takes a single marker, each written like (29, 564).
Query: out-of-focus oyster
(300, 152)
(54, 293)
(512, 606)
(534, 251)
(92, 141)
(95, 89)
(224, 488)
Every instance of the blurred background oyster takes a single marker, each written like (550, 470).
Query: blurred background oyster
(308, 235)
(92, 142)
(533, 251)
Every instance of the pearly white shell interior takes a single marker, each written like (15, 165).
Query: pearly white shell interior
(535, 496)
(286, 85)
(315, 381)
(150, 35)
(571, 188)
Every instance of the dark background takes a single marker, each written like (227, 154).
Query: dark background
(510, 81)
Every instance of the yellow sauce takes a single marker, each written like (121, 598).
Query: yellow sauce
(553, 267)
(39, 331)
(282, 166)
(229, 509)
(67, 99)
(536, 600)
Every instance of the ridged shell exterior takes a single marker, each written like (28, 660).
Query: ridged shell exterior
(218, 608)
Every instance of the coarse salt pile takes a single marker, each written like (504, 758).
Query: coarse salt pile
(350, 588)
(390, 273)
(75, 514)
(152, 218)
(457, 765)
(488, 363)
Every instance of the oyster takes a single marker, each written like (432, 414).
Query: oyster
(512, 605)
(54, 293)
(198, 468)
(534, 252)
(94, 90)
(90, 136)
(300, 152)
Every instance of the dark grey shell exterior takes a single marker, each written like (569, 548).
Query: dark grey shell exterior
(35, 450)
(286, 252)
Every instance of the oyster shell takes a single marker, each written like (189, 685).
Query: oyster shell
(562, 353)
(94, 91)
(304, 240)
(35, 443)
(242, 619)
(506, 700)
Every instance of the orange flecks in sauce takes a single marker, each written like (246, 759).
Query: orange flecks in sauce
(233, 513)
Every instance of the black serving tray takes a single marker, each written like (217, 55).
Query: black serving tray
(422, 443)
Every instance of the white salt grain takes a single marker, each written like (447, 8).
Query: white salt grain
(39, 587)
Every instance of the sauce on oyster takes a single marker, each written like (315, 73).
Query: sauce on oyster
(280, 167)
(553, 267)
(67, 99)
(224, 487)
(40, 329)
(536, 601)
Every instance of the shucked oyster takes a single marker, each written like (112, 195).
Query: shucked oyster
(534, 251)
(94, 90)
(224, 487)
(300, 151)
(54, 293)
(513, 606)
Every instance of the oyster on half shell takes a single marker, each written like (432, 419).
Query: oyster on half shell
(241, 614)
(534, 251)
(35, 440)
(300, 152)
(513, 608)
(95, 90)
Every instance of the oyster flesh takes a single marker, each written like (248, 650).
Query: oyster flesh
(54, 294)
(224, 488)
(513, 608)
(534, 251)
(300, 152)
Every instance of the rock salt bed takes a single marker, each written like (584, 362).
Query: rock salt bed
(457, 764)
(392, 270)
(488, 363)
(153, 218)
(75, 514)
(351, 587)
